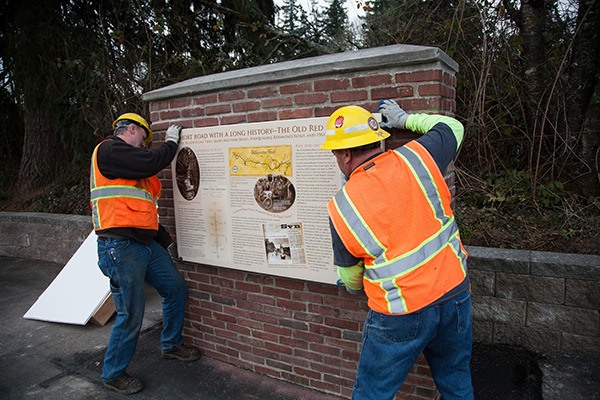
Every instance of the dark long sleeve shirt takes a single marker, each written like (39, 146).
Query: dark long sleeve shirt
(442, 137)
(117, 159)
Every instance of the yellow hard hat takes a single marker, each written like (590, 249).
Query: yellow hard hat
(352, 126)
(136, 119)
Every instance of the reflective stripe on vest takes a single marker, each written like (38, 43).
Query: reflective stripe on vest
(396, 303)
(119, 191)
(383, 272)
(425, 179)
(95, 216)
(357, 225)
(111, 192)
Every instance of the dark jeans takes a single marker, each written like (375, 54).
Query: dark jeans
(391, 344)
(129, 264)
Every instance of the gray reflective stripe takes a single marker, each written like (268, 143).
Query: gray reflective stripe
(425, 181)
(357, 225)
(119, 191)
(92, 178)
(395, 301)
(407, 262)
(455, 243)
(95, 216)
(93, 169)
(355, 128)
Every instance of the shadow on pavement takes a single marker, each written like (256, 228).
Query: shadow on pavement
(505, 372)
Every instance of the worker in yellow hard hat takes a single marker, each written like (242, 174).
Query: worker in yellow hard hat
(137, 120)
(350, 127)
(124, 192)
(395, 238)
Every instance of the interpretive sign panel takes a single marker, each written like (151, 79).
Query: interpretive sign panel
(254, 197)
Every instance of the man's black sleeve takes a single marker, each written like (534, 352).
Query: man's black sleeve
(117, 159)
(441, 144)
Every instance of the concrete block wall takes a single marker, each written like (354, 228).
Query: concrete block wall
(545, 302)
(41, 236)
(299, 331)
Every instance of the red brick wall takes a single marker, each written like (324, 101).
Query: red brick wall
(299, 331)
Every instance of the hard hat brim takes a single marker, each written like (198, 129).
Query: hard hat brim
(349, 143)
(139, 121)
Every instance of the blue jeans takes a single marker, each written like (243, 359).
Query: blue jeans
(129, 264)
(391, 345)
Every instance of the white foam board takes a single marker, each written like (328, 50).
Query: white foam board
(77, 292)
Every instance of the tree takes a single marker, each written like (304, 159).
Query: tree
(296, 27)
(11, 140)
(37, 79)
(569, 141)
(294, 18)
(528, 74)
(70, 67)
(74, 65)
(583, 101)
(335, 26)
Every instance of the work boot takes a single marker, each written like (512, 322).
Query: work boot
(182, 353)
(124, 384)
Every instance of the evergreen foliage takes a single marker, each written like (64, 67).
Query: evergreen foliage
(522, 101)
(527, 92)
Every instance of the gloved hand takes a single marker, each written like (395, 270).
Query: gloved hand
(352, 277)
(172, 250)
(351, 291)
(173, 133)
(392, 115)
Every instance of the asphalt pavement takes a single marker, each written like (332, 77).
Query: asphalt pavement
(44, 360)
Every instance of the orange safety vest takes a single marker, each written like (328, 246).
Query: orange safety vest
(122, 203)
(394, 213)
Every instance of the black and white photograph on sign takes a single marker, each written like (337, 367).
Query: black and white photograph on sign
(274, 193)
(278, 250)
(187, 173)
(284, 244)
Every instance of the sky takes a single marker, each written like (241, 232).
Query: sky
(353, 13)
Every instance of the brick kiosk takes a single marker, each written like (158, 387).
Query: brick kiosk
(303, 332)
